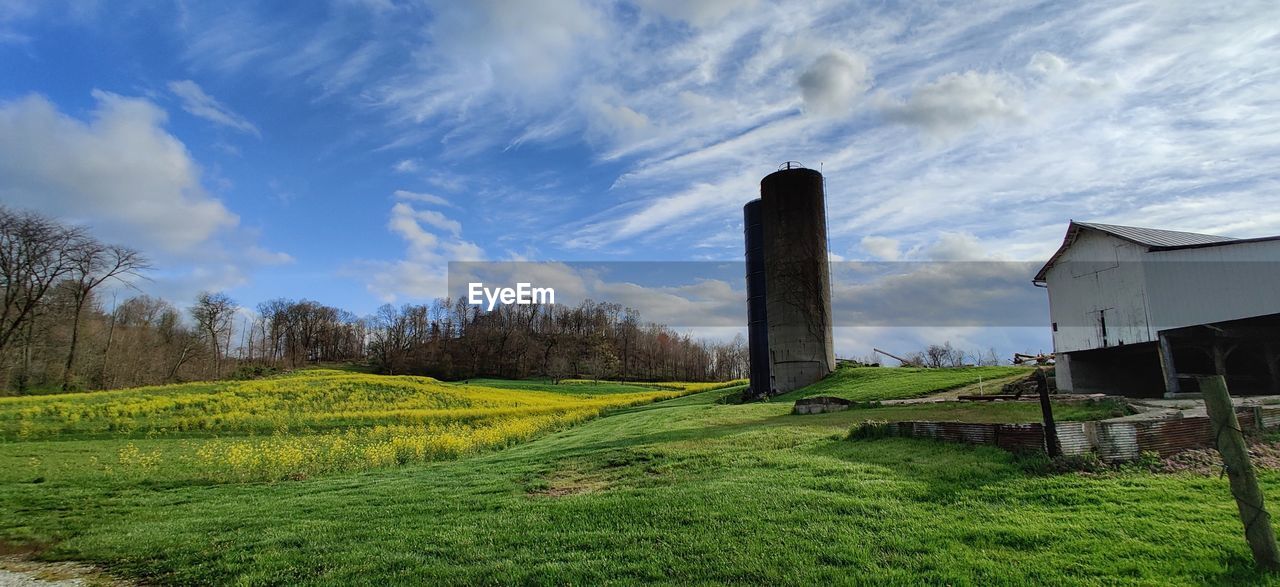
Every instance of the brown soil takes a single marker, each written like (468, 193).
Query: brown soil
(1207, 461)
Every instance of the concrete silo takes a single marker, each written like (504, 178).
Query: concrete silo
(757, 320)
(797, 278)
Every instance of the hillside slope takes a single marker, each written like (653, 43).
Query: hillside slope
(684, 491)
(885, 383)
(293, 426)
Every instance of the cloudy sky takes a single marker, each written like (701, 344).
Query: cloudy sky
(345, 150)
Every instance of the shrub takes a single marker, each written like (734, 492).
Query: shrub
(1039, 463)
(870, 430)
(245, 372)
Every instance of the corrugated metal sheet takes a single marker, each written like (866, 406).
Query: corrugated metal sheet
(1270, 417)
(924, 429)
(1113, 441)
(1248, 418)
(1020, 437)
(1168, 437)
(1075, 438)
(967, 433)
(1117, 441)
(1155, 237)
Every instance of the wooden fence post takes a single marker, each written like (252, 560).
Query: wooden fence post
(1046, 411)
(1244, 482)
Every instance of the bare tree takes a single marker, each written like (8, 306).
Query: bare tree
(943, 355)
(34, 256)
(213, 313)
(935, 356)
(93, 264)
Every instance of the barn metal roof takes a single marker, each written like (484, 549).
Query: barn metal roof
(1152, 238)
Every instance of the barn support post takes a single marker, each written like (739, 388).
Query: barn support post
(1244, 481)
(1221, 351)
(1219, 360)
(1273, 367)
(1167, 366)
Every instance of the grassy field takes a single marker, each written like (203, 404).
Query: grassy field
(296, 426)
(687, 490)
(883, 383)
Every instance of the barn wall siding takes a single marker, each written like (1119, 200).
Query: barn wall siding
(1212, 284)
(1099, 273)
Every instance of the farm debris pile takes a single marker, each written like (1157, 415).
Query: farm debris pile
(1206, 461)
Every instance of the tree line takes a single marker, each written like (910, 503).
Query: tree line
(452, 339)
(59, 329)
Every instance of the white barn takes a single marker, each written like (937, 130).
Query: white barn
(1138, 311)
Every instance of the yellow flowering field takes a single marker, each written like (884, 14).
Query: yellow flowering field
(310, 422)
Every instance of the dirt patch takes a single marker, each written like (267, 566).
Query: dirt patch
(583, 476)
(20, 551)
(18, 569)
(564, 483)
(18, 572)
(1207, 461)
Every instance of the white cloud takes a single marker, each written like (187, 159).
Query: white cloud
(433, 240)
(654, 218)
(428, 217)
(262, 256)
(698, 13)
(121, 174)
(954, 246)
(938, 292)
(494, 52)
(196, 102)
(882, 247)
(404, 222)
(407, 166)
(1047, 64)
(1061, 80)
(120, 170)
(958, 101)
(610, 120)
(702, 303)
(421, 197)
(833, 82)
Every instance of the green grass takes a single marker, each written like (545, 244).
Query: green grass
(1007, 412)
(682, 491)
(884, 383)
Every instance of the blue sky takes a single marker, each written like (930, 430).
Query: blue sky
(346, 150)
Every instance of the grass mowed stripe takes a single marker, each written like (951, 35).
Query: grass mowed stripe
(885, 383)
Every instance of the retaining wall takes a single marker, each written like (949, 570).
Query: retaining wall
(1113, 440)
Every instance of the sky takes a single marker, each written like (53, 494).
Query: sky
(345, 151)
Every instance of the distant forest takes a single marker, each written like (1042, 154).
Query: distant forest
(59, 330)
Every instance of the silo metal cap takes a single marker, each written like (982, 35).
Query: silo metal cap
(791, 171)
